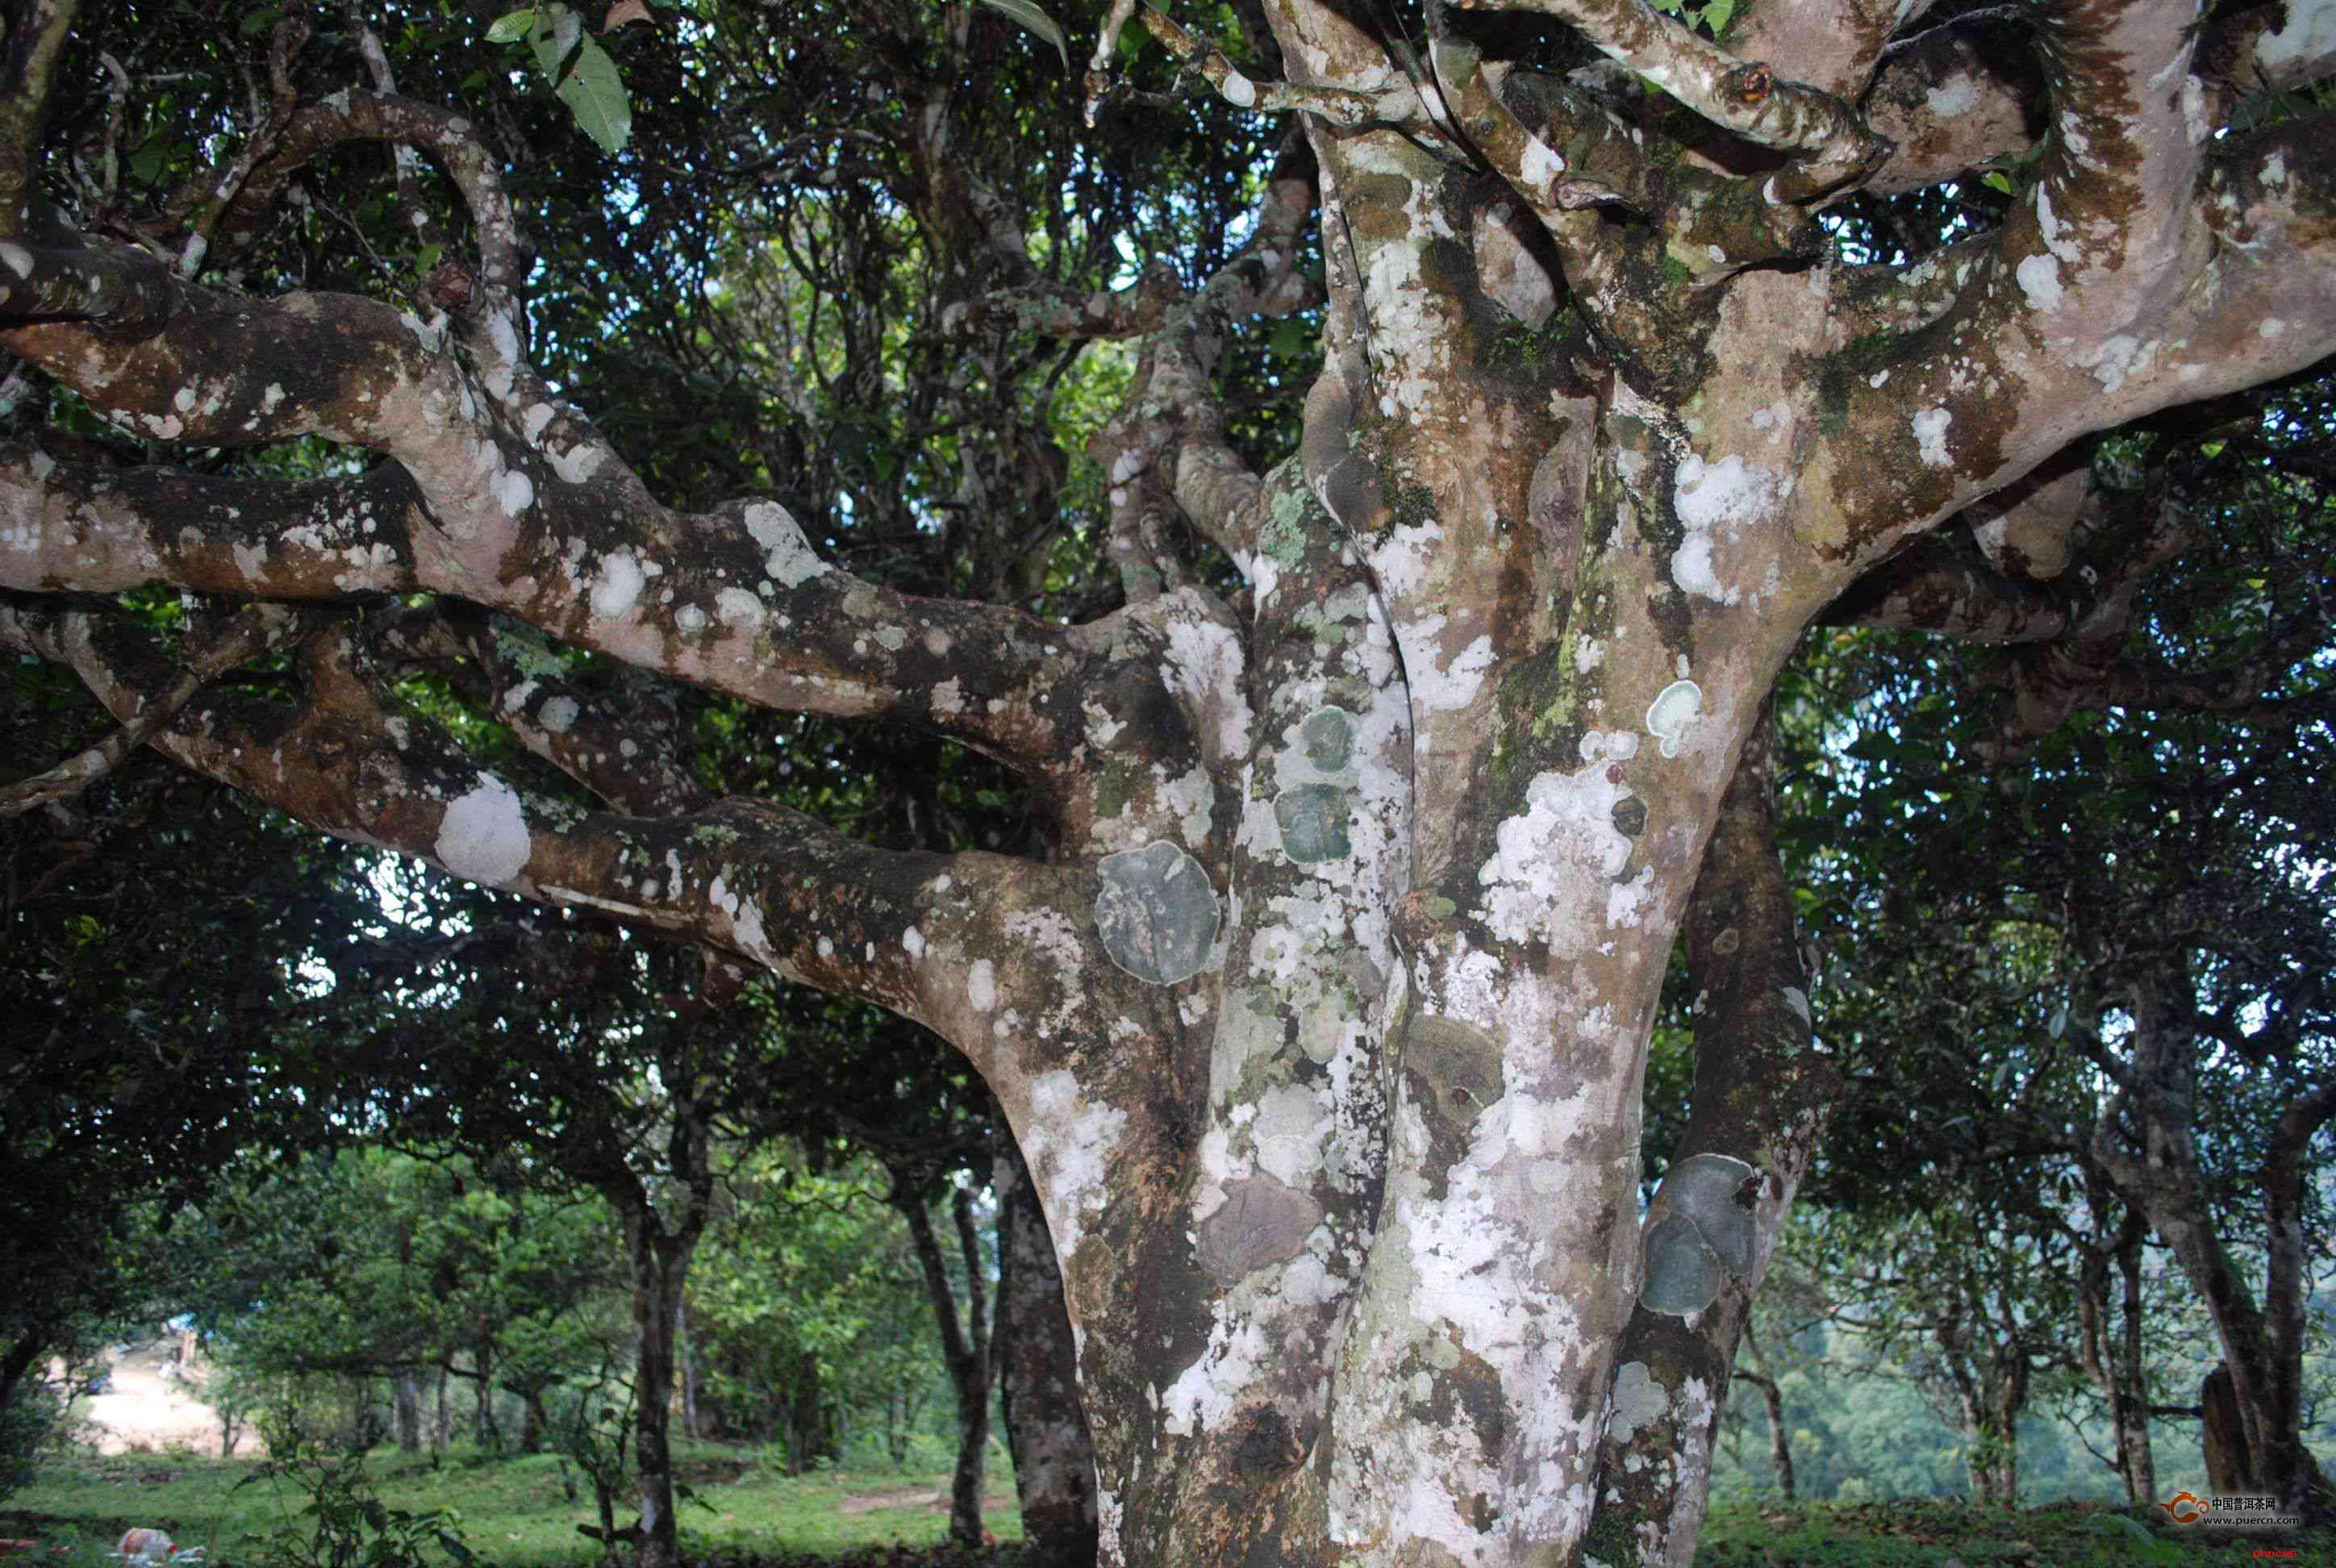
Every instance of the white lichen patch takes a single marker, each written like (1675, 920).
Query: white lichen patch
(1929, 426)
(1673, 713)
(981, 986)
(618, 585)
(1072, 1143)
(1952, 97)
(1209, 1390)
(2039, 277)
(1637, 1401)
(483, 837)
(788, 556)
(559, 714)
(1565, 837)
(1715, 502)
(1204, 668)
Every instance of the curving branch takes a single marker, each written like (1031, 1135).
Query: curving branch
(2147, 265)
(501, 495)
(252, 631)
(1831, 146)
(770, 887)
(1167, 444)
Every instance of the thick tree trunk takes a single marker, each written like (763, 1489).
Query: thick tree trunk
(1760, 1094)
(2231, 1464)
(965, 1343)
(1037, 1374)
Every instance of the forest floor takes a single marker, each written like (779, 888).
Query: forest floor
(521, 1513)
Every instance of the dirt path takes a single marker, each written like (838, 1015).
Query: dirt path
(869, 1502)
(146, 1410)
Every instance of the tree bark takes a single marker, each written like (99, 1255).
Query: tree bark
(1037, 1374)
(965, 1343)
(2109, 1346)
(406, 1386)
(1760, 1093)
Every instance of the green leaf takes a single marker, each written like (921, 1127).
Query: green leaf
(594, 91)
(260, 19)
(1995, 180)
(558, 29)
(1717, 15)
(146, 163)
(1037, 21)
(512, 26)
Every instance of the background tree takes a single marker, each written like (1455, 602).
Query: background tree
(1368, 784)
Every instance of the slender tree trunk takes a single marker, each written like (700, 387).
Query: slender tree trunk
(965, 1344)
(1772, 1399)
(441, 1431)
(487, 1434)
(405, 1389)
(656, 1280)
(2110, 1357)
(1038, 1375)
(688, 1370)
(2133, 1430)
(2155, 1166)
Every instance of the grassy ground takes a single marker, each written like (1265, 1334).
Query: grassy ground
(514, 1512)
(1931, 1534)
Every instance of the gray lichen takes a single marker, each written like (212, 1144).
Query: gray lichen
(1702, 1230)
(1156, 913)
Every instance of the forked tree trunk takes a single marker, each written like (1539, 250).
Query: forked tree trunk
(2146, 1143)
(1038, 1376)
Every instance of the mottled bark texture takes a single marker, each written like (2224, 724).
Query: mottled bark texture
(1321, 1017)
(1037, 1377)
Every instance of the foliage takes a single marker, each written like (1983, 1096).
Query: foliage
(342, 1523)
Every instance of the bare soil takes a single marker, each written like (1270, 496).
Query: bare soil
(149, 1408)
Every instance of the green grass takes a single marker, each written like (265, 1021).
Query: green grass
(515, 1513)
(1931, 1534)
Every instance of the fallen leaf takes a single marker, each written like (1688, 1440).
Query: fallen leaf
(625, 11)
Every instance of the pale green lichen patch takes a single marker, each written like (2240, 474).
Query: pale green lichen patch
(1638, 1401)
(1313, 819)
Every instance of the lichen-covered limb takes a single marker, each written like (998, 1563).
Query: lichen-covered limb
(1397, 102)
(1563, 197)
(512, 500)
(1831, 146)
(1948, 105)
(1834, 45)
(1167, 441)
(1758, 1112)
(48, 274)
(623, 737)
(1998, 573)
(252, 630)
(316, 127)
(772, 888)
(2148, 265)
